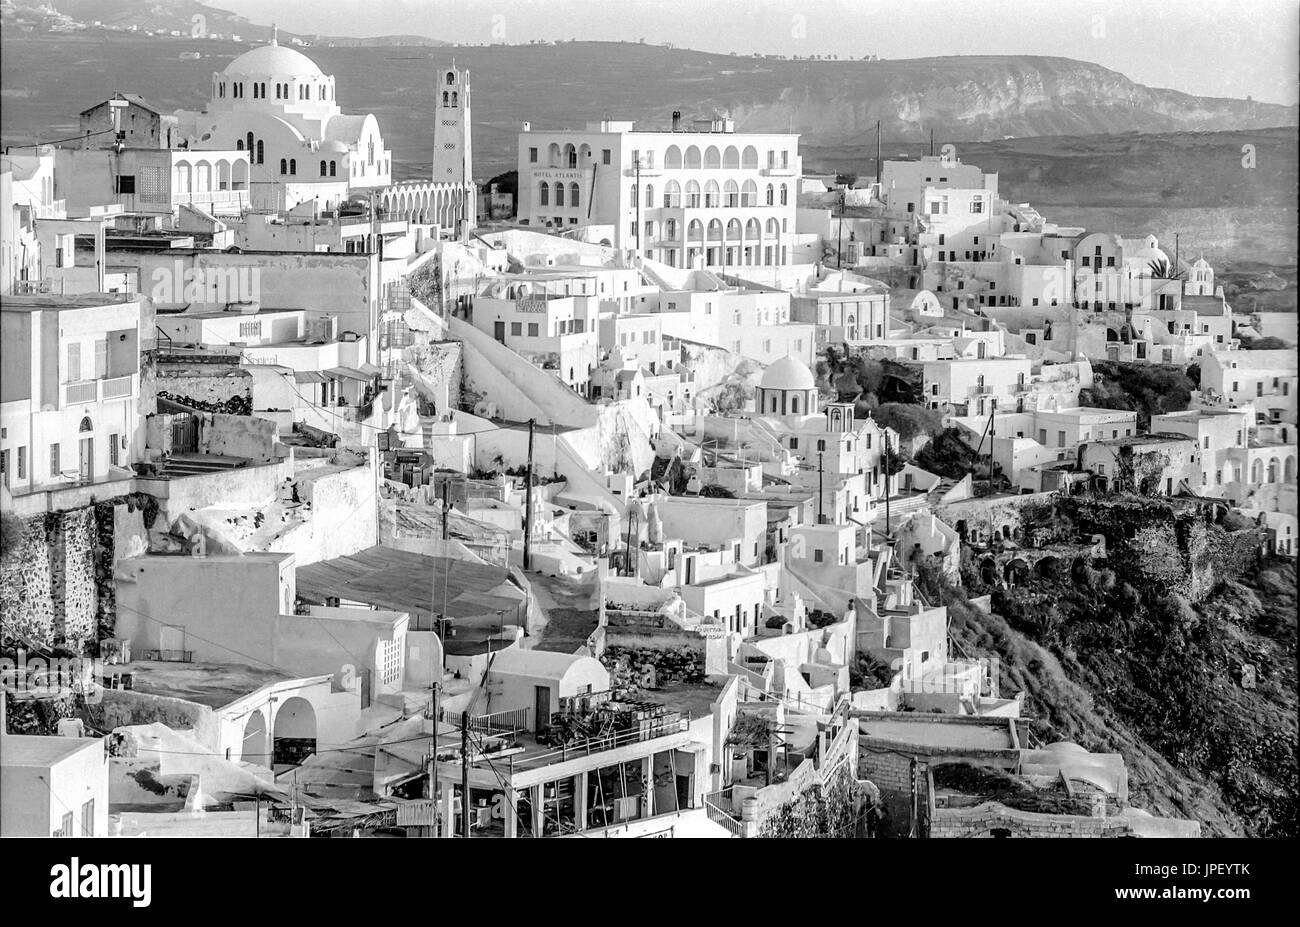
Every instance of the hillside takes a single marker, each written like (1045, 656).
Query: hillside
(1197, 692)
(830, 102)
(190, 18)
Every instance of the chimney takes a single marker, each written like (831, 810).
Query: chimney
(677, 120)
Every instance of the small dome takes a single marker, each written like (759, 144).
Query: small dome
(789, 373)
(274, 61)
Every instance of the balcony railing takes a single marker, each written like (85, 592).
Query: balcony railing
(592, 745)
(716, 805)
(117, 387)
(77, 393)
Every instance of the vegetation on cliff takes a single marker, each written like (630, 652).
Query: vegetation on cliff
(1198, 695)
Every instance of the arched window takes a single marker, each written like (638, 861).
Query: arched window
(692, 157)
(451, 78)
(753, 229)
(86, 424)
(731, 194)
(277, 91)
(672, 195)
(322, 168)
(749, 194)
(239, 144)
(794, 404)
(635, 198)
(573, 194)
(772, 227)
(712, 158)
(785, 195)
(649, 196)
(559, 194)
(715, 229)
(570, 156)
(333, 168)
(771, 195)
(446, 99)
(692, 194)
(673, 158)
(260, 159)
(284, 165)
(293, 166)
(731, 158)
(455, 98)
(749, 158)
(544, 193)
(695, 229)
(553, 154)
(712, 194)
(250, 141)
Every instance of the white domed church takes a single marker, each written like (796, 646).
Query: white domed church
(275, 103)
(787, 390)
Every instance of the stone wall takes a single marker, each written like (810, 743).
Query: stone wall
(210, 387)
(982, 820)
(440, 369)
(56, 589)
(125, 707)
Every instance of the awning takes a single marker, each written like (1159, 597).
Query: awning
(349, 373)
(370, 369)
(308, 376)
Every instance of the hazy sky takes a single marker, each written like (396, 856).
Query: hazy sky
(1232, 48)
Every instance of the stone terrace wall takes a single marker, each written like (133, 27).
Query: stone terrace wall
(980, 821)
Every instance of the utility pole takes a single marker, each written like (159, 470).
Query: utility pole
(877, 155)
(528, 500)
(888, 528)
(839, 244)
(912, 831)
(464, 774)
(445, 509)
(820, 517)
(433, 757)
(993, 411)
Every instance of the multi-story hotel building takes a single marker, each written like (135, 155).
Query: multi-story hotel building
(690, 196)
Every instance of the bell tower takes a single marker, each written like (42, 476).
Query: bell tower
(452, 161)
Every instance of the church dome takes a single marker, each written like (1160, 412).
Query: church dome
(274, 61)
(788, 373)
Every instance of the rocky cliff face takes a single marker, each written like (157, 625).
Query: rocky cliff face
(977, 98)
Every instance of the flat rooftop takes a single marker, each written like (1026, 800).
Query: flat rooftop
(414, 583)
(212, 684)
(39, 301)
(40, 752)
(938, 732)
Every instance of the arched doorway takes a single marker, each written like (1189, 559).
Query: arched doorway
(254, 748)
(1046, 568)
(295, 732)
(1016, 572)
(989, 571)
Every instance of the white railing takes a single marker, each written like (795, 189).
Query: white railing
(117, 387)
(76, 393)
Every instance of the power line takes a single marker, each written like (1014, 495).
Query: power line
(74, 138)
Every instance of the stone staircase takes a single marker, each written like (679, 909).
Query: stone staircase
(182, 465)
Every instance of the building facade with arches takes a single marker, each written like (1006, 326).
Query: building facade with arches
(276, 104)
(703, 196)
